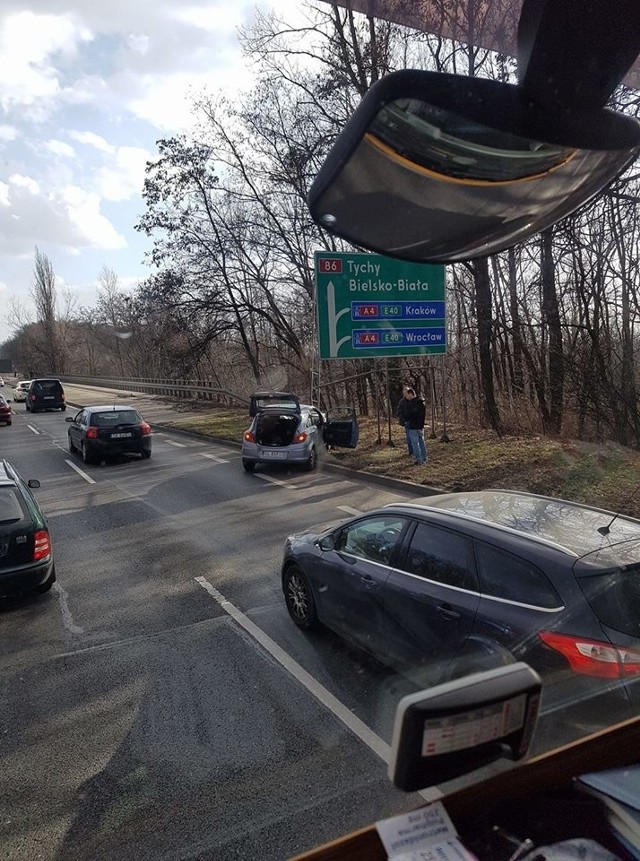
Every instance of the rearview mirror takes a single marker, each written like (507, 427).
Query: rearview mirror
(442, 168)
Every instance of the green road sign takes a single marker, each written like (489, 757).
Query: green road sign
(369, 306)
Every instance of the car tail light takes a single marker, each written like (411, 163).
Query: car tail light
(145, 428)
(42, 545)
(301, 437)
(593, 658)
(249, 436)
(33, 397)
(92, 432)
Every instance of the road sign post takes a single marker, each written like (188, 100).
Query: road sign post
(371, 306)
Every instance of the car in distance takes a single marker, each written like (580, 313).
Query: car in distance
(45, 394)
(20, 390)
(462, 582)
(283, 430)
(26, 553)
(1, 382)
(5, 410)
(106, 431)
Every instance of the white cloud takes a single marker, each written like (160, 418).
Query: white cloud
(60, 148)
(26, 182)
(83, 209)
(8, 133)
(28, 43)
(4, 194)
(91, 139)
(125, 176)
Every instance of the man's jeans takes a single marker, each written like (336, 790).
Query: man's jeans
(407, 434)
(417, 444)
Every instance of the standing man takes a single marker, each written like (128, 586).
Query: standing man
(416, 412)
(401, 414)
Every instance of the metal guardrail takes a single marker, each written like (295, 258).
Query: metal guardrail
(182, 389)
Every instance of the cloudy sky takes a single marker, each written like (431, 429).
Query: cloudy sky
(86, 88)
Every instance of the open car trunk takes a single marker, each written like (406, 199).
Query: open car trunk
(276, 428)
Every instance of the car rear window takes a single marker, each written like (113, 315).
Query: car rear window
(11, 509)
(115, 417)
(48, 386)
(614, 597)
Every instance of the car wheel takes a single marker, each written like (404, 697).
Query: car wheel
(72, 447)
(249, 465)
(299, 599)
(63, 409)
(8, 424)
(84, 454)
(312, 460)
(146, 454)
(44, 587)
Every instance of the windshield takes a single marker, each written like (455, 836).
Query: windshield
(276, 482)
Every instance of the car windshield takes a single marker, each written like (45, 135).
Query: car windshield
(321, 401)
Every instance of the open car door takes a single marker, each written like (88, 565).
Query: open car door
(341, 427)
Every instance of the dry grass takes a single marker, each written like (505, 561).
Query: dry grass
(606, 475)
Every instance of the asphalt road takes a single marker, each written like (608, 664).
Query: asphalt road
(158, 702)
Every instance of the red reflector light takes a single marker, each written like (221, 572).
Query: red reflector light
(145, 428)
(92, 432)
(249, 437)
(42, 545)
(301, 437)
(594, 658)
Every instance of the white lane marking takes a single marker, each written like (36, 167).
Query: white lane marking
(328, 700)
(80, 472)
(332, 703)
(67, 618)
(177, 444)
(214, 457)
(275, 481)
(349, 510)
(33, 430)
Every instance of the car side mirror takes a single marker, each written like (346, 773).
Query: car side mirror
(69, 419)
(442, 168)
(33, 483)
(327, 543)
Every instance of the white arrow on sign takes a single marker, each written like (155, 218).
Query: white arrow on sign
(334, 344)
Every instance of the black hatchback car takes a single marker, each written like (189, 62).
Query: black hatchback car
(45, 394)
(100, 432)
(26, 555)
(469, 581)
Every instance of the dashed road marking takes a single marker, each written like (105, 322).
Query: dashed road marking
(349, 510)
(80, 472)
(277, 481)
(176, 444)
(33, 430)
(213, 457)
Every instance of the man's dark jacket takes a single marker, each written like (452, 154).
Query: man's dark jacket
(415, 413)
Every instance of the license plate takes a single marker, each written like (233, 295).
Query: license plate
(48, 398)
(120, 435)
(277, 455)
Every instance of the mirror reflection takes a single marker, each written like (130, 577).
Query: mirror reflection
(428, 184)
